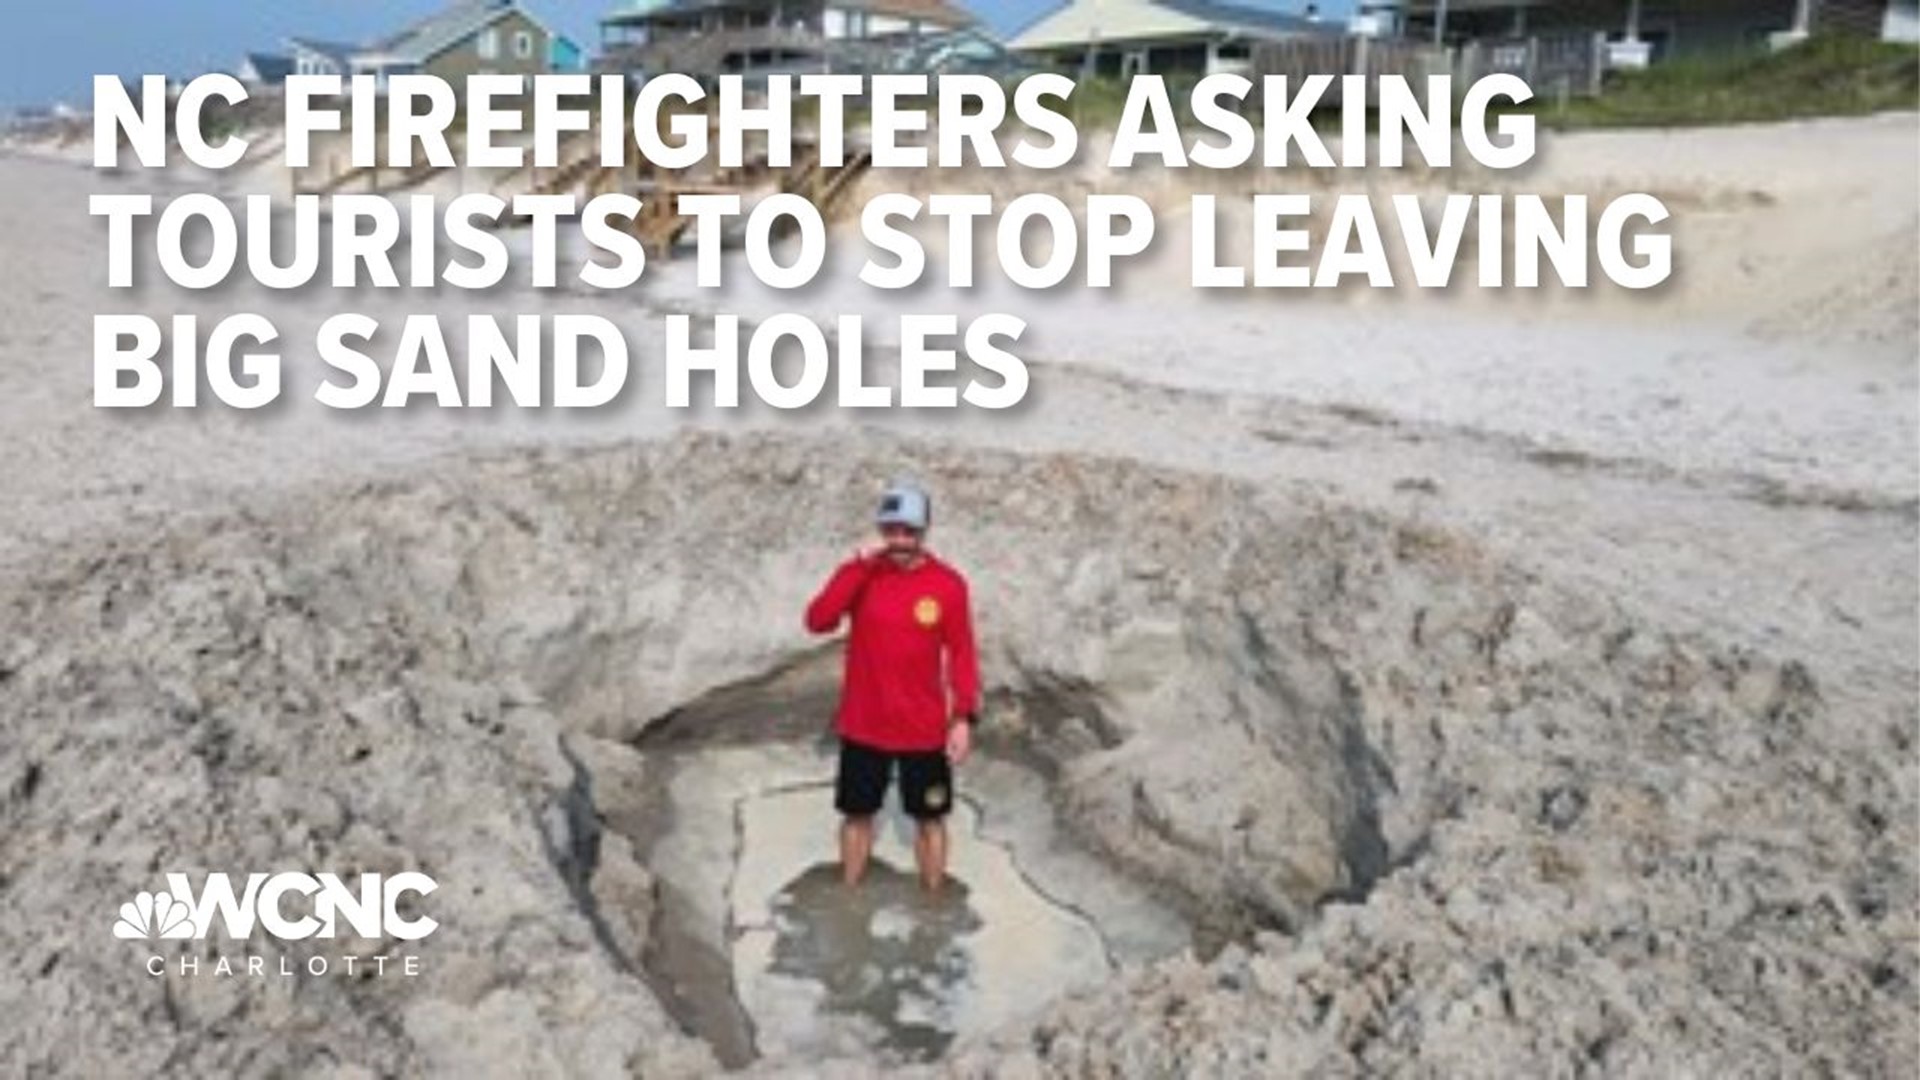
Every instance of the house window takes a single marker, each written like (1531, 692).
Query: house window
(489, 43)
(523, 45)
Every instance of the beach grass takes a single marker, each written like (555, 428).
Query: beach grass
(1832, 75)
(1826, 75)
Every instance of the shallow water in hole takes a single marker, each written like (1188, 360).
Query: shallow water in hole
(884, 968)
(887, 953)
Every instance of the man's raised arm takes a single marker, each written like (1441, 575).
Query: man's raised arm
(837, 597)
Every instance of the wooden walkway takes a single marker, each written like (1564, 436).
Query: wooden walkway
(579, 173)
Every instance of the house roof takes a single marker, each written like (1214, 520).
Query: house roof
(942, 12)
(1081, 21)
(332, 50)
(634, 11)
(933, 11)
(967, 48)
(435, 34)
(270, 67)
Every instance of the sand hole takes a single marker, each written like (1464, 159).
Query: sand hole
(765, 952)
(1215, 710)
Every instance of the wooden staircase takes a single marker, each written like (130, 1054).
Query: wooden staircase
(658, 226)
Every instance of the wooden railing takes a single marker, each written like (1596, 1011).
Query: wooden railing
(1562, 65)
(716, 52)
(1373, 57)
(1555, 65)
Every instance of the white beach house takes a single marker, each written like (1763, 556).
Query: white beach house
(1661, 27)
(1128, 37)
(705, 38)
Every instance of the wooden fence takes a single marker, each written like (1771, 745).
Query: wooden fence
(1561, 65)
(1555, 65)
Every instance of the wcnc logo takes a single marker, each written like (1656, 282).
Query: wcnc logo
(332, 907)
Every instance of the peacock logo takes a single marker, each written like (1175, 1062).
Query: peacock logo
(154, 915)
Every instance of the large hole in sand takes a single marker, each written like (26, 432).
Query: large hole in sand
(574, 686)
(760, 948)
(1177, 752)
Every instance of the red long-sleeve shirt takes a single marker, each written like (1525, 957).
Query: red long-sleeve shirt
(910, 660)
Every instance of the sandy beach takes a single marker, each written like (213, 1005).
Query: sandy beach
(1773, 378)
(1696, 508)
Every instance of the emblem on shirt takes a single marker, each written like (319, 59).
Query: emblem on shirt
(926, 611)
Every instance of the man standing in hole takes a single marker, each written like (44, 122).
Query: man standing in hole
(911, 686)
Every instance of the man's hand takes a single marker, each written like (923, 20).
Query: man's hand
(959, 742)
(870, 550)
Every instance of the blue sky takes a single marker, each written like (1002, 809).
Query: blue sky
(58, 47)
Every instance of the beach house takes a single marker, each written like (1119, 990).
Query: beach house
(566, 55)
(755, 38)
(1163, 37)
(313, 56)
(1643, 30)
(264, 70)
(472, 37)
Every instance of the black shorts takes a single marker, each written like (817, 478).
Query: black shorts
(926, 780)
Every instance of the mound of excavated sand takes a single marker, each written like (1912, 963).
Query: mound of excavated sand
(1443, 812)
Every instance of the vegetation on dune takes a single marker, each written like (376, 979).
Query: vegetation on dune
(1827, 75)
(1835, 75)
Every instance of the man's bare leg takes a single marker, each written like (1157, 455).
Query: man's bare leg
(930, 852)
(856, 843)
